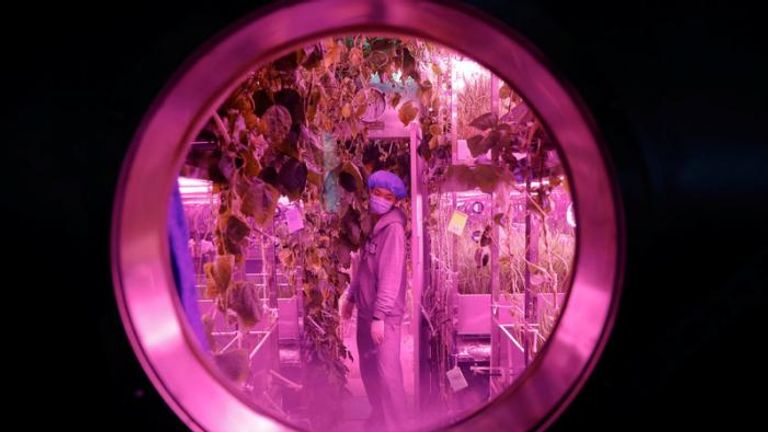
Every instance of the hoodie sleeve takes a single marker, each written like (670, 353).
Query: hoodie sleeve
(389, 277)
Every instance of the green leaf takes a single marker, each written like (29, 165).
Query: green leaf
(474, 145)
(479, 145)
(490, 141)
(485, 121)
(486, 177)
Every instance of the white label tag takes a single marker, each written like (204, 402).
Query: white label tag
(456, 379)
(294, 219)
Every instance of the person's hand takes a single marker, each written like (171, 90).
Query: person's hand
(377, 331)
(346, 308)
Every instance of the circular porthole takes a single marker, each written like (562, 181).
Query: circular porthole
(206, 392)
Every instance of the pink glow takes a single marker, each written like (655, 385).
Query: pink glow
(142, 275)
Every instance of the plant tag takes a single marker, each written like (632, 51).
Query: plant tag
(294, 219)
(456, 379)
(457, 223)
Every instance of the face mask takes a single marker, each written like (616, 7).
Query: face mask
(379, 205)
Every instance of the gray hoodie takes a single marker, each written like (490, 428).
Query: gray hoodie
(378, 286)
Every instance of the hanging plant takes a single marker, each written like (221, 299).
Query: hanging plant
(294, 128)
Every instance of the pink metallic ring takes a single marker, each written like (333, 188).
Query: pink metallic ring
(144, 286)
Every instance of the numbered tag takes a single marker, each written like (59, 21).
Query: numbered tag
(458, 222)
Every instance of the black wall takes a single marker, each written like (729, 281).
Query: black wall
(679, 92)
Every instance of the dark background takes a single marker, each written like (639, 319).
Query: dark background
(678, 92)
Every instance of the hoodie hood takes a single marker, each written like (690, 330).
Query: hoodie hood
(395, 215)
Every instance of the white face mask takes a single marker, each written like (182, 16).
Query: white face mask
(379, 205)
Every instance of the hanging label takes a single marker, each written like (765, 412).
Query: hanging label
(456, 379)
(294, 219)
(457, 223)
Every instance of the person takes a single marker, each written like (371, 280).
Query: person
(378, 291)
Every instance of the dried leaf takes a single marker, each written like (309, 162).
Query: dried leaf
(269, 175)
(433, 142)
(342, 252)
(355, 56)
(262, 100)
(359, 103)
(236, 231)
(286, 257)
(350, 178)
(313, 260)
(314, 178)
(485, 239)
(482, 257)
(221, 167)
(261, 202)
(244, 300)
(219, 274)
(252, 165)
(395, 100)
(211, 289)
(378, 59)
(409, 66)
(314, 59)
(505, 92)
(293, 102)
(234, 364)
(333, 53)
(375, 104)
(312, 103)
(350, 227)
(243, 103)
(251, 120)
(407, 113)
(346, 111)
(425, 93)
(287, 63)
(250, 197)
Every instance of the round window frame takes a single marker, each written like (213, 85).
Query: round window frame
(142, 274)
